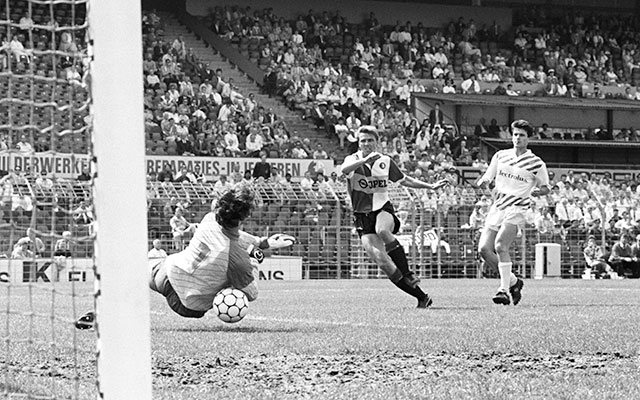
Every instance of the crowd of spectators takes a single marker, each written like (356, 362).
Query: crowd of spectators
(192, 110)
(344, 75)
(31, 42)
(560, 53)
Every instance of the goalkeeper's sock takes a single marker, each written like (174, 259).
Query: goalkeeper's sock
(398, 256)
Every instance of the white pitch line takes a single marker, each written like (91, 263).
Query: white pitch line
(336, 323)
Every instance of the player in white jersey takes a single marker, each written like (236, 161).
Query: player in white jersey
(217, 257)
(518, 174)
(369, 174)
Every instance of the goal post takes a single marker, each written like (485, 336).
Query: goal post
(122, 293)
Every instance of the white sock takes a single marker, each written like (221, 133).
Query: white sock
(505, 275)
(513, 279)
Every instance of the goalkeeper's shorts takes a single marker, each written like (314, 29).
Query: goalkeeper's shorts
(159, 282)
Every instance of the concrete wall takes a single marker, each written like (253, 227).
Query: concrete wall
(354, 11)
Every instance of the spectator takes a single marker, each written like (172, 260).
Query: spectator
(262, 169)
(319, 153)
(24, 145)
(222, 184)
(157, 251)
(34, 243)
(254, 143)
(470, 85)
(83, 214)
(185, 176)
(180, 228)
(595, 258)
(247, 178)
(306, 183)
(43, 182)
(21, 250)
(500, 90)
(436, 116)
(62, 248)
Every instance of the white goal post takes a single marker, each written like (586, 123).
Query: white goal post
(122, 303)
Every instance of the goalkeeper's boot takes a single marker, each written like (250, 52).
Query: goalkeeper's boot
(425, 302)
(516, 291)
(501, 298)
(411, 279)
(86, 321)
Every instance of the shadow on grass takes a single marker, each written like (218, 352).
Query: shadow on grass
(235, 329)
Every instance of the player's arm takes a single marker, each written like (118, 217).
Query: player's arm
(542, 181)
(275, 241)
(412, 182)
(352, 162)
(240, 272)
(490, 174)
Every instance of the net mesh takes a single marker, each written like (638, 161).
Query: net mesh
(46, 213)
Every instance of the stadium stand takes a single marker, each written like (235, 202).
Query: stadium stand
(312, 66)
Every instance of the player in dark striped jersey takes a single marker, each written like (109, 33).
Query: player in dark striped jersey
(518, 174)
(369, 174)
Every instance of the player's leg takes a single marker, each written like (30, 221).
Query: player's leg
(159, 282)
(487, 249)
(504, 238)
(375, 248)
(386, 225)
(158, 279)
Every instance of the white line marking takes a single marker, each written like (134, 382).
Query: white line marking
(336, 323)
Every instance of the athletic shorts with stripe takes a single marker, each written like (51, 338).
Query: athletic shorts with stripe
(159, 282)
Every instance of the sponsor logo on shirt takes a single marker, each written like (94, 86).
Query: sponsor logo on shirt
(372, 184)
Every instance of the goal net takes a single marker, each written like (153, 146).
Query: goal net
(72, 201)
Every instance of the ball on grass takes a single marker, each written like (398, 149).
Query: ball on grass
(230, 305)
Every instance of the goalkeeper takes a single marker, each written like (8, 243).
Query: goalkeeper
(218, 256)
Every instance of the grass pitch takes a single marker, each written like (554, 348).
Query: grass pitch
(364, 339)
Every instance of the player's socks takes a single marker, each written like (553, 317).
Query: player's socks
(398, 256)
(505, 275)
(403, 285)
(513, 279)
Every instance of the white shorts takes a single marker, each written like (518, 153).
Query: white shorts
(514, 215)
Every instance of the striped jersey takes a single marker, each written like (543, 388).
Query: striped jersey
(368, 185)
(516, 176)
(216, 258)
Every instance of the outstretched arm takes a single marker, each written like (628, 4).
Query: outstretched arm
(412, 182)
(275, 241)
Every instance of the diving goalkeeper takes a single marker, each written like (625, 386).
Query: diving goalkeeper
(218, 256)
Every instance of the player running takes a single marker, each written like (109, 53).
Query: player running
(217, 257)
(518, 174)
(368, 176)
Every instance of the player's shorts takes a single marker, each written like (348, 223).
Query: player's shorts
(514, 215)
(159, 282)
(365, 223)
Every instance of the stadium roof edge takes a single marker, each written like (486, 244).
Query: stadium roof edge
(526, 101)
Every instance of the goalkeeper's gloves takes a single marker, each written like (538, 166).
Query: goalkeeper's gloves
(280, 240)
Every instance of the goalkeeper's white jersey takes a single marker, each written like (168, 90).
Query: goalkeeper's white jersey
(214, 260)
(515, 177)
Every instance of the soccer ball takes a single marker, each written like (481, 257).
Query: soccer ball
(230, 305)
